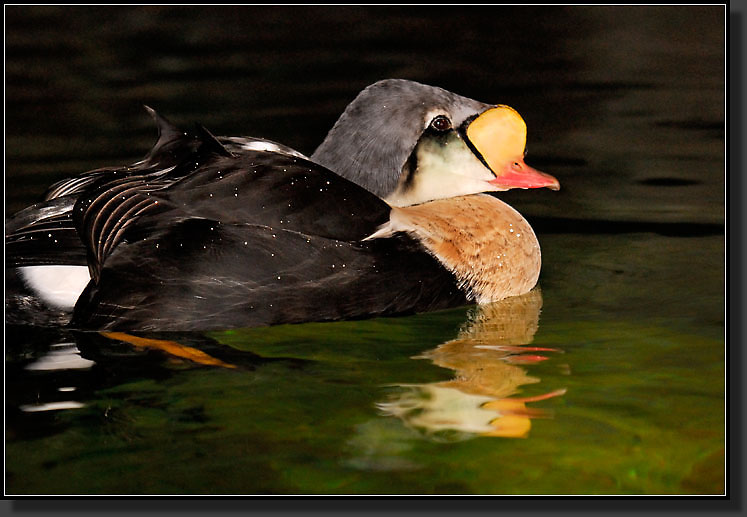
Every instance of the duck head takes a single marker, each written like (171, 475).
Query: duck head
(409, 143)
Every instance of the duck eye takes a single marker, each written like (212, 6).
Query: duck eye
(441, 123)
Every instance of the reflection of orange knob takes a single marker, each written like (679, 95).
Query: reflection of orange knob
(514, 424)
(514, 421)
(510, 426)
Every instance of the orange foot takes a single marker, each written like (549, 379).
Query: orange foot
(170, 347)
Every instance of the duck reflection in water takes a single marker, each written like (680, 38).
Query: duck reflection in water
(486, 356)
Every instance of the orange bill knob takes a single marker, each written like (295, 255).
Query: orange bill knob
(500, 135)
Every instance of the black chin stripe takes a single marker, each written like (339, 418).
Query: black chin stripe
(463, 133)
(410, 168)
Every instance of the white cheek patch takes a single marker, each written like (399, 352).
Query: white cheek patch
(455, 158)
(58, 286)
(443, 171)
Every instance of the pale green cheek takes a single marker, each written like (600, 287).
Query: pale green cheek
(443, 171)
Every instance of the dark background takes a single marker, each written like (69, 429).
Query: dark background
(625, 105)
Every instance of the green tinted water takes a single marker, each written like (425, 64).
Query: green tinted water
(634, 380)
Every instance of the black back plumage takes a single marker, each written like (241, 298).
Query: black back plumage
(198, 237)
(198, 275)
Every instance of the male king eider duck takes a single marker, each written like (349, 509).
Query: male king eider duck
(385, 217)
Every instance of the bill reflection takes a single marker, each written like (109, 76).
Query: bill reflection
(488, 357)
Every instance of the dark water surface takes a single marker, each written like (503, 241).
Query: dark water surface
(610, 380)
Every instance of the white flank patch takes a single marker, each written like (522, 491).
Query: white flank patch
(57, 286)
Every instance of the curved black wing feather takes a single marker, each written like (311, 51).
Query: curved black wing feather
(176, 154)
